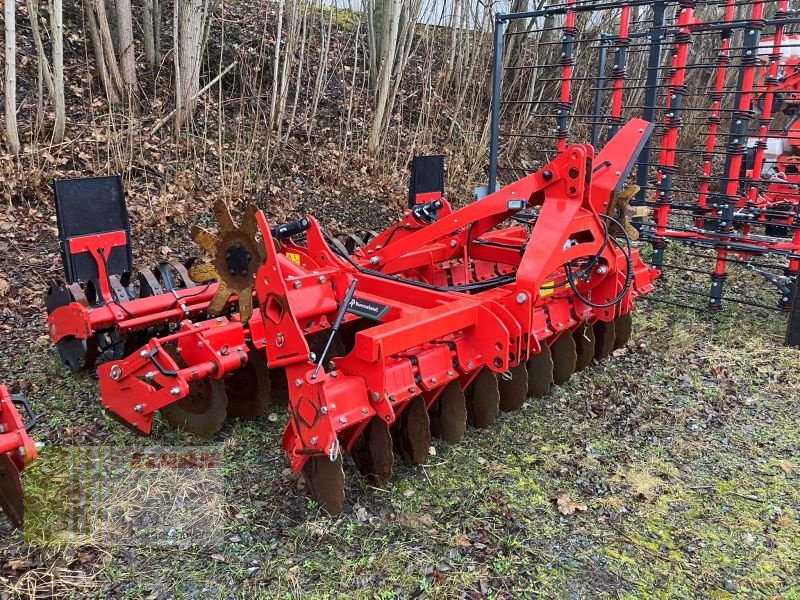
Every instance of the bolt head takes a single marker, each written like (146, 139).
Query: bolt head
(376, 396)
(322, 279)
(143, 353)
(115, 373)
(471, 365)
(314, 441)
(521, 297)
(138, 408)
(374, 260)
(175, 391)
(342, 420)
(298, 382)
(450, 373)
(297, 284)
(312, 357)
(433, 379)
(324, 410)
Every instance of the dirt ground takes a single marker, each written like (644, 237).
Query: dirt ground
(678, 458)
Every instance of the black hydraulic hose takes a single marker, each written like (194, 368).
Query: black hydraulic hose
(629, 263)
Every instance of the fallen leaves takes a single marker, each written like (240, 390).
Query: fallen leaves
(5, 287)
(567, 506)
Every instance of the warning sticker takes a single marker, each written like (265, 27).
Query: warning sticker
(294, 257)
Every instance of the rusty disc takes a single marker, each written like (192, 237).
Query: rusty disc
(584, 347)
(604, 337)
(11, 498)
(564, 358)
(325, 482)
(483, 399)
(202, 412)
(449, 415)
(540, 372)
(623, 325)
(236, 256)
(412, 432)
(372, 452)
(248, 389)
(513, 391)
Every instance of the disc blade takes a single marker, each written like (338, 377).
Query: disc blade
(205, 239)
(584, 347)
(483, 399)
(412, 432)
(224, 218)
(540, 372)
(604, 337)
(203, 272)
(372, 452)
(325, 482)
(564, 358)
(202, 412)
(248, 389)
(513, 391)
(11, 497)
(72, 352)
(449, 415)
(623, 326)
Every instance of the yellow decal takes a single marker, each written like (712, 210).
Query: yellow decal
(546, 289)
(294, 257)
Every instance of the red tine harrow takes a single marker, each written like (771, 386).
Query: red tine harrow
(17, 450)
(441, 320)
(722, 81)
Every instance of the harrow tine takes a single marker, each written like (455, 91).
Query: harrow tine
(11, 496)
(246, 304)
(205, 239)
(604, 339)
(565, 358)
(220, 299)
(202, 272)
(224, 218)
(540, 372)
(514, 390)
(412, 432)
(372, 452)
(448, 417)
(248, 389)
(325, 481)
(623, 325)
(584, 347)
(483, 399)
(249, 224)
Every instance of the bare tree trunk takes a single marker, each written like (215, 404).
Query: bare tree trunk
(47, 75)
(104, 53)
(386, 50)
(149, 34)
(127, 53)
(59, 103)
(11, 77)
(157, 30)
(94, 32)
(189, 26)
(392, 24)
